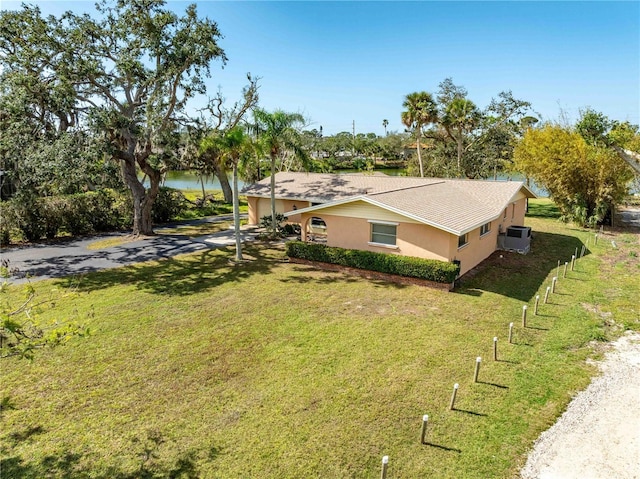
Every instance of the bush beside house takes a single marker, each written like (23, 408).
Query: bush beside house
(427, 269)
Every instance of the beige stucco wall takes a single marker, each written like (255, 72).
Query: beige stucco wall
(412, 239)
(479, 247)
(348, 226)
(259, 207)
(514, 213)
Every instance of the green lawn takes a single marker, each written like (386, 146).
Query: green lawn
(197, 367)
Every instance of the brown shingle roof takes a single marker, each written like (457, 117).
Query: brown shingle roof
(322, 188)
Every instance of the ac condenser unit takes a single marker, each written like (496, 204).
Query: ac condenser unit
(516, 238)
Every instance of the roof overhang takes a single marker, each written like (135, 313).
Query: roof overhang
(527, 192)
(373, 202)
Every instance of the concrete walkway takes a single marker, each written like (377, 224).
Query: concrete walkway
(66, 258)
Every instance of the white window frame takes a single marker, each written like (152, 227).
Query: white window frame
(385, 223)
(485, 229)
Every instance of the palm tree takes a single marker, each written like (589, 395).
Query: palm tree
(385, 124)
(421, 110)
(460, 117)
(235, 144)
(279, 132)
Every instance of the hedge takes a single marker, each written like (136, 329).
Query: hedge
(80, 214)
(429, 269)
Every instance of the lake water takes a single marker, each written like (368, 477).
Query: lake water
(187, 180)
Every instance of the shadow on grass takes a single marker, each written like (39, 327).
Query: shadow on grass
(73, 465)
(472, 413)
(519, 276)
(494, 384)
(444, 448)
(187, 274)
(331, 277)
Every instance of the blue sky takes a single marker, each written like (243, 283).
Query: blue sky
(338, 62)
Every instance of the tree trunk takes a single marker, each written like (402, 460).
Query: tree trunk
(419, 155)
(631, 157)
(203, 192)
(236, 213)
(273, 194)
(459, 142)
(142, 198)
(224, 182)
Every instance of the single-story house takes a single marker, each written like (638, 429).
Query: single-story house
(445, 219)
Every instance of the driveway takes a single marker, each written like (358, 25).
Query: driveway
(65, 258)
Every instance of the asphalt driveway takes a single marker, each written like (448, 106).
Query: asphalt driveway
(66, 258)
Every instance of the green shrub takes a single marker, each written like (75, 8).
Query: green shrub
(429, 269)
(265, 222)
(28, 215)
(77, 215)
(168, 204)
(5, 236)
(52, 214)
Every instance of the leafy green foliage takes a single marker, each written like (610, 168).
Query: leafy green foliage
(267, 223)
(464, 140)
(126, 77)
(21, 330)
(79, 214)
(585, 180)
(432, 270)
(169, 204)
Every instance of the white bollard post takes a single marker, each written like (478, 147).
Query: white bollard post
(453, 396)
(477, 370)
(510, 332)
(495, 348)
(423, 434)
(546, 295)
(385, 463)
(524, 316)
(553, 284)
(535, 309)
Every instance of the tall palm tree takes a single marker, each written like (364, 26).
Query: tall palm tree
(421, 110)
(235, 144)
(280, 132)
(385, 124)
(460, 117)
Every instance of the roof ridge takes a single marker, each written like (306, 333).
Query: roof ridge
(405, 188)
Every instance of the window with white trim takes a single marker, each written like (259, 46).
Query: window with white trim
(485, 228)
(463, 240)
(383, 233)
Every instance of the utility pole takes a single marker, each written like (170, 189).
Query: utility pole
(353, 146)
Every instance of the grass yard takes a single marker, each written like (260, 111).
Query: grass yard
(218, 207)
(197, 367)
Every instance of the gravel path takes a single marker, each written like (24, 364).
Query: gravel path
(598, 436)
